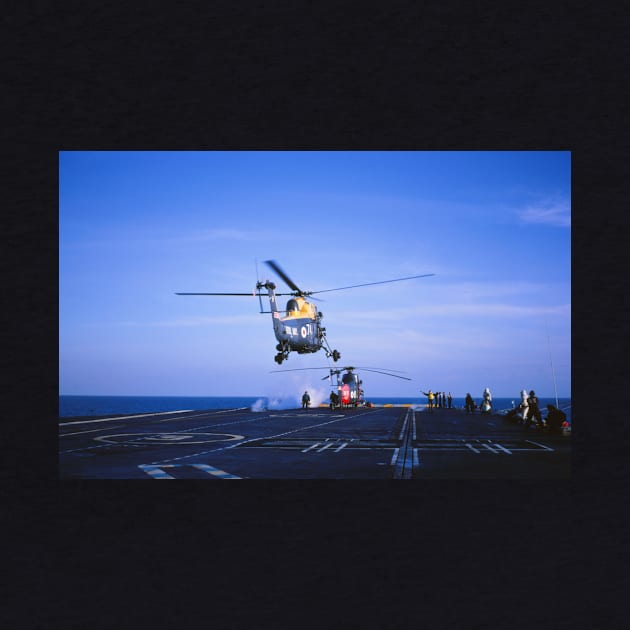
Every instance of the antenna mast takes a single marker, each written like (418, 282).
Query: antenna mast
(553, 374)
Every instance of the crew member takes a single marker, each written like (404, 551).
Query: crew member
(430, 397)
(334, 400)
(486, 405)
(523, 407)
(306, 400)
(533, 411)
(470, 404)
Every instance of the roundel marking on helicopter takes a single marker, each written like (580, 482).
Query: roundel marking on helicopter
(139, 439)
(303, 332)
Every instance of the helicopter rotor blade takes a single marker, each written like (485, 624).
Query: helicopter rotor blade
(374, 368)
(274, 265)
(367, 284)
(347, 368)
(298, 369)
(250, 294)
(386, 373)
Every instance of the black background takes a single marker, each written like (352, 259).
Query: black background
(286, 75)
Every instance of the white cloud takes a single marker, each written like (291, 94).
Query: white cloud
(547, 213)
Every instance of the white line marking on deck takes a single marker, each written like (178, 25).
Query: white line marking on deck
(490, 448)
(157, 472)
(143, 415)
(325, 447)
(541, 445)
(268, 437)
(404, 426)
(394, 457)
(215, 471)
(306, 450)
(90, 431)
(503, 449)
(342, 446)
(472, 448)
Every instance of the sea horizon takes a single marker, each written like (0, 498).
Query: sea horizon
(81, 405)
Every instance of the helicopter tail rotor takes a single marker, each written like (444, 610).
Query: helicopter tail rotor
(258, 285)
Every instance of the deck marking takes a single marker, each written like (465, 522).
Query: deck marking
(306, 450)
(472, 448)
(503, 449)
(161, 413)
(168, 438)
(404, 465)
(157, 472)
(541, 445)
(490, 449)
(267, 437)
(404, 426)
(342, 446)
(90, 431)
(305, 415)
(143, 415)
(394, 457)
(310, 426)
(325, 447)
(215, 471)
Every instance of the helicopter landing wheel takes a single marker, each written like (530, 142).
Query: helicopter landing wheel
(279, 358)
(335, 355)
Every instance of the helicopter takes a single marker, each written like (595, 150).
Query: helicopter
(348, 384)
(298, 327)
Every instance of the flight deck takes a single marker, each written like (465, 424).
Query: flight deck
(389, 442)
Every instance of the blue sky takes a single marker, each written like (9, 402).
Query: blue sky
(136, 227)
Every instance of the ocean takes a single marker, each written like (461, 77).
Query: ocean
(74, 406)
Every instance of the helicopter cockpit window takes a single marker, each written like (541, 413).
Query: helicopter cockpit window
(292, 305)
(347, 378)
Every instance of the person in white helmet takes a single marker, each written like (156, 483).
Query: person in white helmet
(523, 407)
(486, 403)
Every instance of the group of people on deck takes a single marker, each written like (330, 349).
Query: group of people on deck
(527, 412)
(486, 402)
(439, 399)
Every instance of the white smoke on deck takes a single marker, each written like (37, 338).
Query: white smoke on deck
(319, 395)
(275, 402)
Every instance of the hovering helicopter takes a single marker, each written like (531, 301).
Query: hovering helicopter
(348, 384)
(298, 328)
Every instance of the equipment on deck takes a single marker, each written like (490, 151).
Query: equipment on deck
(348, 384)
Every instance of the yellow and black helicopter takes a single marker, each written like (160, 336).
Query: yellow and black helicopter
(348, 386)
(298, 328)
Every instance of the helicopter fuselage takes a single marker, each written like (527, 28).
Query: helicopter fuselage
(297, 328)
(349, 388)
